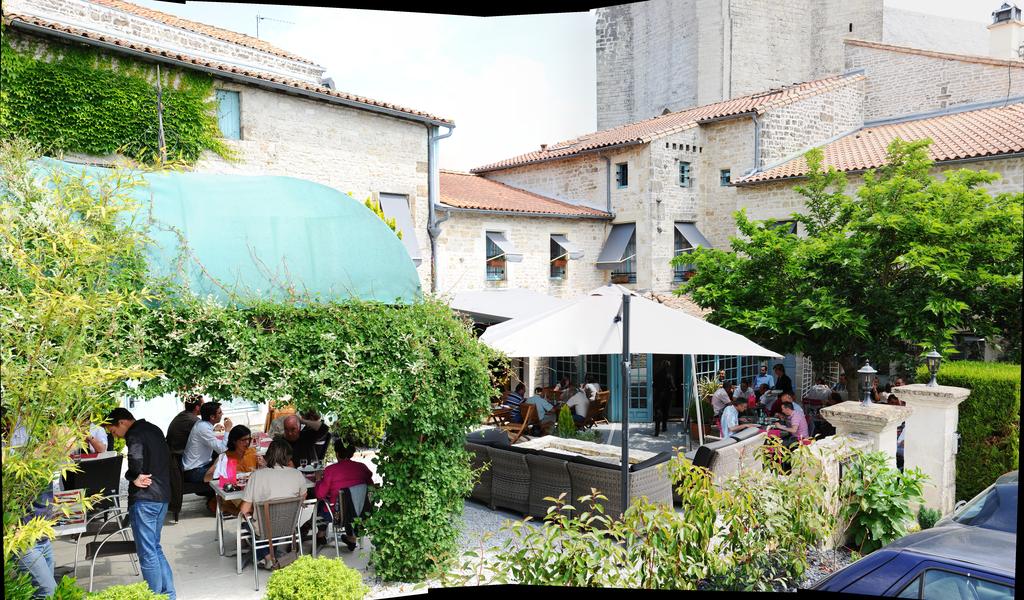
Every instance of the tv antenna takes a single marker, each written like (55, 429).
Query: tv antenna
(260, 18)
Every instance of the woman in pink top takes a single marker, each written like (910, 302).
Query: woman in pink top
(340, 476)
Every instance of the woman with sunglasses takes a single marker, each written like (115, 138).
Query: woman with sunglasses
(240, 457)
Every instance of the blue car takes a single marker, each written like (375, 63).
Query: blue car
(969, 555)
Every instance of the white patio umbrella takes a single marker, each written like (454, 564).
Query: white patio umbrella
(614, 320)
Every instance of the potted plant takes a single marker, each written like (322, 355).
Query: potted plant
(620, 278)
(560, 263)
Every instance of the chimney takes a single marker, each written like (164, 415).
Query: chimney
(543, 147)
(1006, 33)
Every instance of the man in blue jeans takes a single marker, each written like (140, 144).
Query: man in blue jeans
(149, 491)
(37, 561)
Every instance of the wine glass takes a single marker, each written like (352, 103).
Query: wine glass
(302, 463)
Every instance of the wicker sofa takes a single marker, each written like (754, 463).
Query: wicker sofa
(520, 479)
(727, 456)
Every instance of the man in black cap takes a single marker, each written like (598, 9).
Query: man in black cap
(149, 491)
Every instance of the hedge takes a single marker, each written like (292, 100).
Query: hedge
(989, 421)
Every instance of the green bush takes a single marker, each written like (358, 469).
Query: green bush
(135, 591)
(928, 517)
(566, 426)
(989, 421)
(876, 498)
(311, 578)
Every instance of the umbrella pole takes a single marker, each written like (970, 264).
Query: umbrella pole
(625, 402)
(696, 391)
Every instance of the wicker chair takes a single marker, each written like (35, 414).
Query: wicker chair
(283, 517)
(601, 414)
(480, 458)
(549, 477)
(608, 480)
(510, 480)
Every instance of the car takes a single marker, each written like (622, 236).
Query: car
(968, 555)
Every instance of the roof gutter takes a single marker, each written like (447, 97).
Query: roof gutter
(942, 163)
(255, 81)
(516, 213)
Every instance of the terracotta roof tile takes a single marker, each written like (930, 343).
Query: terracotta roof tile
(968, 134)
(643, 132)
(465, 190)
(86, 36)
(215, 32)
(985, 60)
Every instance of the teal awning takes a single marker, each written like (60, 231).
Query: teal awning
(260, 236)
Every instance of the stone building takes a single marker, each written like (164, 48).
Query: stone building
(276, 110)
(667, 55)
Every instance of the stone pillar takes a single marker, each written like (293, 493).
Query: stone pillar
(930, 439)
(875, 423)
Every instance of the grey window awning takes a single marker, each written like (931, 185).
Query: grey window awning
(510, 252)
(693, 235)
(614, 249)
(397, 207)
(571, 249)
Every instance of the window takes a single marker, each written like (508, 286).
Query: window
(944, 585)
(559, 260)
(682, 246)
(229, 116)
(622, 174)
(684, 174)
(396, 206)
(562, 366)
(788, 225)
(495, 260)
(597, 365)
(625, 271)
(725, 177)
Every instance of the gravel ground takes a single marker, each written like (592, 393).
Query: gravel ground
(822, 564)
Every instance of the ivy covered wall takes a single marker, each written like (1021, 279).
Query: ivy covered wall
(73, 98)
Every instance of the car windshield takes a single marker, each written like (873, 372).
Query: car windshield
(995, 508)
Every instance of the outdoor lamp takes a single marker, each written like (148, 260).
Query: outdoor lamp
(932, 359)
(866, 373)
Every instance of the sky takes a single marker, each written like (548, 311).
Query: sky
(509, 83)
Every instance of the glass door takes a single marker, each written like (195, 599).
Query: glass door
(641, 408)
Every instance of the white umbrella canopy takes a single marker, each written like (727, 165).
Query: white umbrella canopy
(591, 325)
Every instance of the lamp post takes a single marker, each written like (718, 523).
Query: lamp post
(866, 373)
(933, 359)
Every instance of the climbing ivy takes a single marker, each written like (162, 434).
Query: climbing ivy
(408, 379)
(76, 99)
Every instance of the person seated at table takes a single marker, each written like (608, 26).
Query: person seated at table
(782, 381)
(240, 457)
(730, 422)
(797, 427)
(776, 408)
(721, 398)
(579, 404)
(744, 391)
(279, 480)
(592, 387)
(763, 378)
(304, 432)
(840, 386)
(340, 476)
(182, 424)
(819, 391)
(95, 440)
(760, 391)
(203, 443)
(514, 401)
(565, 389)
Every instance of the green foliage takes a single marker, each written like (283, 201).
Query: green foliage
(750, 535)
(989, 424)
(74, 99)
(17, 585)
(928, 517)
(135, 591)
(909, 260)
(377, 210)
(566, 425)
(876, 499)
(70, 266)
(407, 379)
(67, 589)
(315, 578)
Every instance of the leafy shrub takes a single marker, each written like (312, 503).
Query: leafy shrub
(17, 585)
(989, 424)
(566, 426)
(135, 591)
(747, 536)
(311, 578)
(876, 499)
(928, 517)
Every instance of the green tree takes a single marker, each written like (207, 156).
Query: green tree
(71, 263)
(374, 206)
(898, 268)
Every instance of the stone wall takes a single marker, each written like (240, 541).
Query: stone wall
(350, 150)
(579, 180)
(794, 128)
(727, 145)
(921, 30)
(462, 248)
(125, 25)
(671, 202)
(906, 81)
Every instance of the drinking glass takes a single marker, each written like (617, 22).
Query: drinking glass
(303, 463)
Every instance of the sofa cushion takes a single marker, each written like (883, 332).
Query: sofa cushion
(657, 459)
(493, 437)
(583, 460)
(706, 453)
(745, 434)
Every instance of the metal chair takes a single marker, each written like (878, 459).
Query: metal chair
(97, 476)
(336, 513)
(96, 524)
(281, 517)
